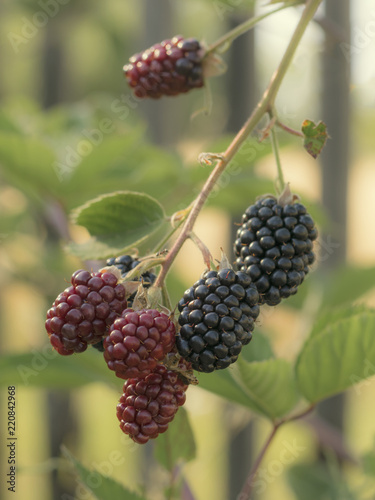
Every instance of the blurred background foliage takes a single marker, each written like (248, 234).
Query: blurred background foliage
(70, 130)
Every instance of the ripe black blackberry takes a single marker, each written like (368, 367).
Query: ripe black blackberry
(82, 313)
(147, 406)
(138, 341)
(168, 68)
(125, 263)
(274, 246)
(217, 316)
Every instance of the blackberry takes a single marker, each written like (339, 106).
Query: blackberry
(137, 342)
(82, 313)
(168, 68)
(217, 316)
(126, 263)
(147, 406)
(274, 246)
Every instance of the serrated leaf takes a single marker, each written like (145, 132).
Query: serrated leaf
(102, 487)
(117, 222)
(315, 137)
(47, 369)
(332, 316)
(337, 357)
(269, 385)
(177, 443)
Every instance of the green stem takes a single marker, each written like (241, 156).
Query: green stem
(264, 106)
(166, 298)
(275, 148)
(160, 246)
(223, 43)
(249, 483)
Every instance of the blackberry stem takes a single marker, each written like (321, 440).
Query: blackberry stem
(249, 483)
(224, 42)
(275, 148)
(264, 106)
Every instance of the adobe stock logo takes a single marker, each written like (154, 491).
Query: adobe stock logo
(361, 38)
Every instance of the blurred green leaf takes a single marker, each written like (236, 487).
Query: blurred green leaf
(259, 348)
(327, 318)
(315, 137)
(117, 223)
(102, 487)
(314, 481)
(177, 443)
(368, 462)
(7, 124)
(48, 369)
(347, 284)
(28, 164)
(337, 357)
(269, 385)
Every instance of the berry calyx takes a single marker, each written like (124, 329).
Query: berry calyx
(274, 246)
(138, 341)
(82, 313)
(217, 316)
(148, 405)
(168, 68)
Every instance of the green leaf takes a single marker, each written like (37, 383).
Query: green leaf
(327, 318)
(259, 348)
(46, 368)
(348, 284)
(102, 487)
(222, 384)
(28, 164)
(177, 444)
(337, 357)
(313, 481)
(117, 223)
(315, 137)
(269, 385)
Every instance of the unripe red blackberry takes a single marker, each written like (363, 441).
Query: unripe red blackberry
(217, 316)
(137, 342)
(167, 68)
(148, 405)
(82, 313)
(274, 246)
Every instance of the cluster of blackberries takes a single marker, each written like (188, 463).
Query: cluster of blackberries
(217, 316)
(274, 246)
(168, 68)
(135, 343)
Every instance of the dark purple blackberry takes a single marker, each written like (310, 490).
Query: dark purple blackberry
(274, 247)
(168, 68)
(138, 341)
(148, 405)
(83, 312)
(217, 316)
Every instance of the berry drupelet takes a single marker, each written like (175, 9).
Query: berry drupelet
(82, 313)
(148, 405)
(274, 246)
(217, 316)
(168, 68)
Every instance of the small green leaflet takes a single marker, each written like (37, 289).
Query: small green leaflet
(315, 137)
